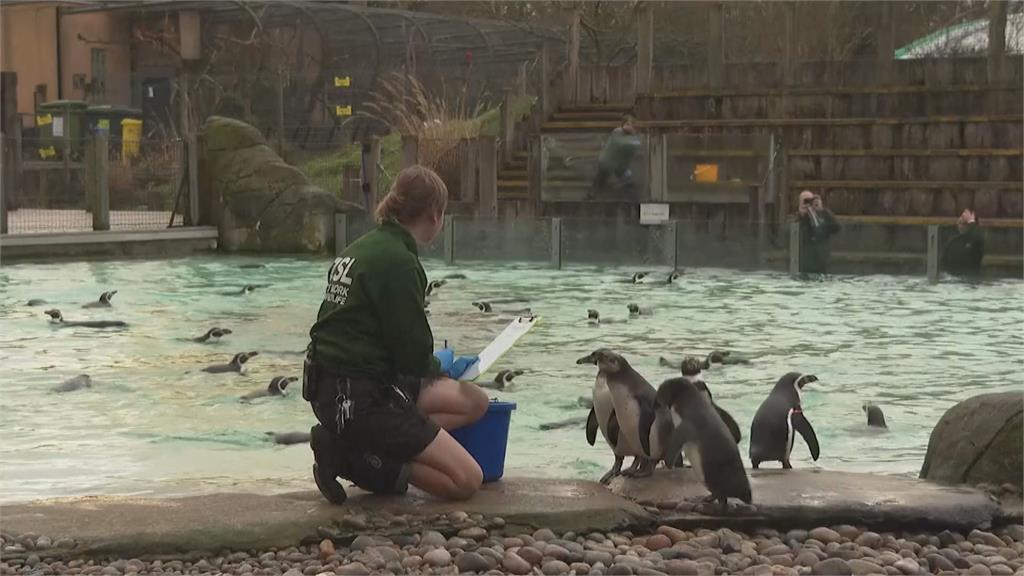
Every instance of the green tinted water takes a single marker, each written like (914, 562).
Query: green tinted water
(153, 424)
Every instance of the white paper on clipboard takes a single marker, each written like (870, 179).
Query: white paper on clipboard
(501, 344)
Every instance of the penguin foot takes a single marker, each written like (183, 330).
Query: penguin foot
(609, 475)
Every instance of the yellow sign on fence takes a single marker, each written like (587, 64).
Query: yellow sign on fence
(43, 119)
(48, 152)
(343, 110)
(342, 81)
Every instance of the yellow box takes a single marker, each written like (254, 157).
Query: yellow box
(705, 173)
(131, 134)
(342, 81)
(343, 110)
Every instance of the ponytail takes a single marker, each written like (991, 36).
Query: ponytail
(416, 192)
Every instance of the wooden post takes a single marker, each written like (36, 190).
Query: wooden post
(794, 249)
(672, 236)
(544, 99)
(573, 46)
(7, 184)
(467, 169)
(933, 253)
(66, 143)
(790, 55)
(521, 80)
(886, 41)
(996, 40)
(487, 177)
(763, 195)
(98, 157)
(410, 150)
(556, 243)
(192, 151)
(507, 127)
(10, 129)
(657, 166)
(715, 46)
(340, 232)
(535, 169)
(449, 238)
(645, 49)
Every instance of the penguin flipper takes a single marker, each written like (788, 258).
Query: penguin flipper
(683, 432)
(613, 430)
(662, 361)
(801, 425)
(592, 427)
(730, 423)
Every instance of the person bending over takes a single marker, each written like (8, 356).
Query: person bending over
(963, 253)
(384, 402)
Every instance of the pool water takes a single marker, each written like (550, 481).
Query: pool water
(154, 424)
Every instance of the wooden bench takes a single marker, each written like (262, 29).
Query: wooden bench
(923, 152)
(831, 90)
(925, 221)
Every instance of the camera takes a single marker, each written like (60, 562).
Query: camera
(809, 201)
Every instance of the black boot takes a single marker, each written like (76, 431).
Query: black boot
(327, 464)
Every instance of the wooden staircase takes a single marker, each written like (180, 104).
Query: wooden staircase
(513, 176)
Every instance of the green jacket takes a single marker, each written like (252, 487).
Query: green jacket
(372, 323)
(814, 245)
(619, 150)
(963, 253)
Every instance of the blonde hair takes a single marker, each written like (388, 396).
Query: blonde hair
(416, 191)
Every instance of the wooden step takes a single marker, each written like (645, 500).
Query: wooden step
(512, 175)
(783, 122)
(902, 184)
(512, 183)
(832, 90)
(605, 108)
(963, 152)
(586, 116)
(925, 221)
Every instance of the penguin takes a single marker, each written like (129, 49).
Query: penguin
(288, 438)
(456, 276)
(624, 411)
(691, 370)
(103, 302)
(636, 311)
(697, 423)
(636, 278)
(875, 417)
(58, 319)
(434, 285)
(673, 276)
(778, 420)
(36, 302)
(594, 318)
(502, 379)
(484, 307)
(245, 291)
(585, 402)
(216, 333)
(726, 357)
(77, 383)
(237, 364)
(568, 422)
(250, 266)
(277, 387)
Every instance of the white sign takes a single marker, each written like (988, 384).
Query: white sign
(58, 126)
(653, 213)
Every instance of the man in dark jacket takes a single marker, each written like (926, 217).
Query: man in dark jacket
(617, 157)
(963, 253)
(817, 225)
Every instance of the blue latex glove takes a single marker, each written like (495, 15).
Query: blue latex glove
(452, 366)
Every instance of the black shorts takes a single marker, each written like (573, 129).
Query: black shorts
(383, 421)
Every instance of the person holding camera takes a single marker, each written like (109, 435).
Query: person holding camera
(384, 402)
(963, 253)
(817, 225)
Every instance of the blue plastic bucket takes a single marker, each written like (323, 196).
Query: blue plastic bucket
(487, 438)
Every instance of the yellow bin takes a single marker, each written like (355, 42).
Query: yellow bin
(706, 173)
(131, 134)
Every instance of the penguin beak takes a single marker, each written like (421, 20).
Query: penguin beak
(807, 380)
(588, 359)
(112, 292)
(225, 331)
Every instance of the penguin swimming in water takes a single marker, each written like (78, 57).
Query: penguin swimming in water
(58, 319)
(245, 291)
(456, 276)
(568, 422)
(673, 276)
(215, 333)
(484, 307)
(250, 266)
(435, 285)
(624, 411)
(77, 383)
(594, 318)
(635, 310)
(876, 419)
(36, 302)
(502, 379)
(237, 364)
(717, 458)
(103, 302)
(277, 387)
(288, 438)
(714, 357)
(636, 278)
(778, 420)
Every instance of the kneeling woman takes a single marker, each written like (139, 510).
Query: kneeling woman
(383, 400)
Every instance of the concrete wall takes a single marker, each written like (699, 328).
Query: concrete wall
(29, 45)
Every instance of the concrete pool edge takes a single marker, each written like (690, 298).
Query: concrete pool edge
(149, 527)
